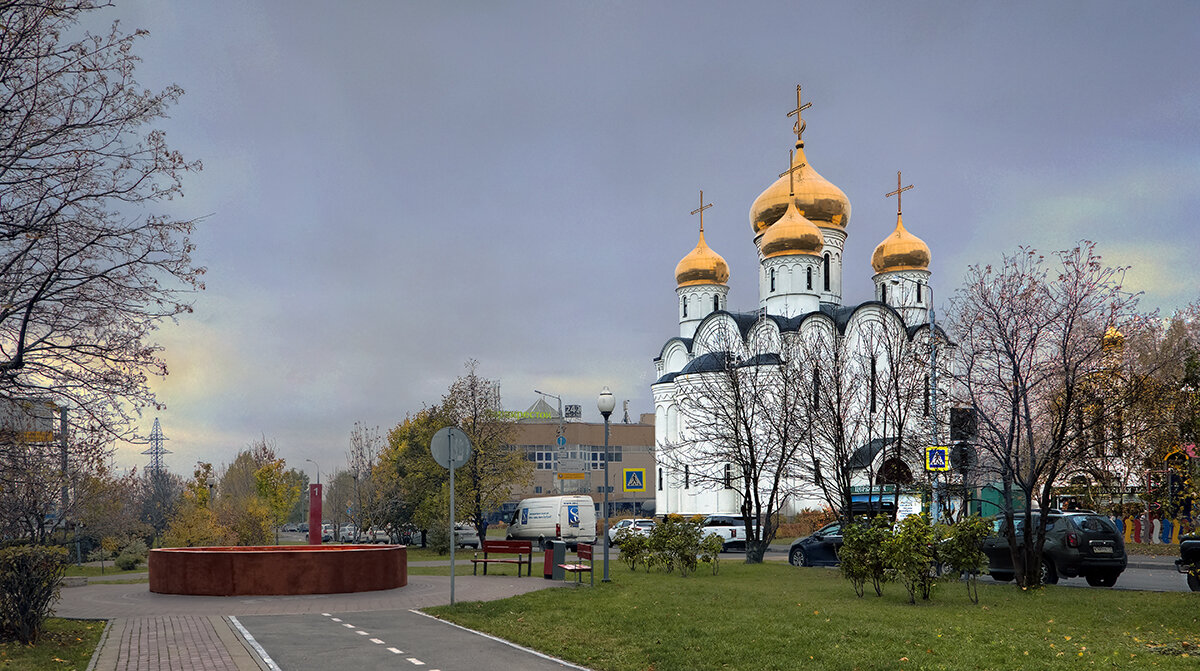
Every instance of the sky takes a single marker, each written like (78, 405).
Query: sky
(393, 188)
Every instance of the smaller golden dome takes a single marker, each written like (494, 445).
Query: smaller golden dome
(901, 251)
(701, 266)
(792, 234)
(1113, 339)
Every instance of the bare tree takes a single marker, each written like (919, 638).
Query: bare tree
(365, 444)
(1032, 340)
(87, 270)
(742, 430)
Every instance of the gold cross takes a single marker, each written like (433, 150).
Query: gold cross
(799, 127)
(791, 172)
(899, 190)
(700, 210)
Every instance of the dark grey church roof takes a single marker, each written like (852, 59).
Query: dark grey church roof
(707, 363)
(866, 454)
(669, 377)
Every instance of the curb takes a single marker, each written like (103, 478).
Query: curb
(99, 645)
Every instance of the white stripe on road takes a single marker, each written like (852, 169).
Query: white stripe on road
(508, 643)
(395, 651)
(348, 625)
(271, 665)
(416, 661)
(377, 641)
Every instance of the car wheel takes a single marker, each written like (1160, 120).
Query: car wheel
(798, 558)
(1001, 576)
(1049, 576)
(1106, 579)
(1194, 582)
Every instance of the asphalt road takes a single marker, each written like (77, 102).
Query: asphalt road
(385, 639)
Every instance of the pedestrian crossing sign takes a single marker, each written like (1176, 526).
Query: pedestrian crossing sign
(635, 479)
(937, 458)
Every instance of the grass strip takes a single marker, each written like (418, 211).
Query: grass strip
(775, 616)
(66, 645)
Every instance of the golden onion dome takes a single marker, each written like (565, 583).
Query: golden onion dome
(701, 266)
(792, 234)
(901, 251)
(815, 198)
(1113, 339)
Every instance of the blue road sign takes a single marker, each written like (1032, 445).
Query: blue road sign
(937, 458)
(635, 479)
(562, 440)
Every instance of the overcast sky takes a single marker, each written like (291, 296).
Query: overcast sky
(392, 188)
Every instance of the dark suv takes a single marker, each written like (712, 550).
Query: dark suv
(1078, 543)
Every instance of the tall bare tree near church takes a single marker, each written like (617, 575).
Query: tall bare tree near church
(743, 432)
(88, 268)
(1032, 339)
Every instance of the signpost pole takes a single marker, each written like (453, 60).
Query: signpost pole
(453, 540)
(455, 454)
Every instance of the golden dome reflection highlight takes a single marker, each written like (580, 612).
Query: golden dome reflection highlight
(900, 251)
(701, 266)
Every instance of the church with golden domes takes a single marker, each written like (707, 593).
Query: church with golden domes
(800, 226)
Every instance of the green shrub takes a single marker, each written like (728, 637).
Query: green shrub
(673, 545)
(960, 551)
(133, 553)
(710, 550)
(30, 577)
(863, 555)
(635, 548)
(910, 555)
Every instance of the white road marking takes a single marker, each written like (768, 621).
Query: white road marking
(395, 651)
(258, 649)
(416, 661)
(361, 633)
(377, 641)
(348, 625)
(500, 640)
(327, 615)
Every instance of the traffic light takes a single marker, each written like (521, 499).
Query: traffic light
(962, 424)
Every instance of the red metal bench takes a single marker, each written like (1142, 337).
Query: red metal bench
(523, 550)
(583, 552)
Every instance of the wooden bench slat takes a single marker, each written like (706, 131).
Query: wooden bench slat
(523, 550)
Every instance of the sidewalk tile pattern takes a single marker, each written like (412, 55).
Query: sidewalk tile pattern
(172, 643)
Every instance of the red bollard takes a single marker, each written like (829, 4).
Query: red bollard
(314, 514)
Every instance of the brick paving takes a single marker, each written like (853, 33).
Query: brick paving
(172, 643)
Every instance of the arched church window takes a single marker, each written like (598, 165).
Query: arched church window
(816, 385)
(882, 296)
(685, 307)
(660, 479)
(895, 472)
(873, 384)
(925, 408)
(728, 476)
(687, 477)
(918, 292)
(825, 270)
(809, 279)
(716, 303)
(772, 280)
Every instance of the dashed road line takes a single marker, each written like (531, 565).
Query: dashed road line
(325, 614)
(416, 661)
(360, 632)
(347, 625)
(377, 641)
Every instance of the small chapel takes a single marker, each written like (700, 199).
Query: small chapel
(800, 226)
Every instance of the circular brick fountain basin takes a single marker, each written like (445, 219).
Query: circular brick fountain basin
(278, 569)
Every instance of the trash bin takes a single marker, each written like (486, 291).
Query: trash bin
(556, 553)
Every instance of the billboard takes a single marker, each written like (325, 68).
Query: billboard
(27, 420)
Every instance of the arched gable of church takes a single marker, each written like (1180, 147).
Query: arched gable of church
(675, 355)
(721, 332)
(764, 337)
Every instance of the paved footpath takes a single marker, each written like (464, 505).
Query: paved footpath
(171, 632)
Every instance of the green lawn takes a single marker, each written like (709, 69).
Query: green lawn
(66, 645)
(109, 569)
(775, 616)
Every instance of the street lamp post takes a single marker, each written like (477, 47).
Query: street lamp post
(318, 469)
(606, 403)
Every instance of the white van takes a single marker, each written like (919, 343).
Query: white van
(571, 519)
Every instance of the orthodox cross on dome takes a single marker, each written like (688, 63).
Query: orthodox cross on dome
(791, 172)
(799, 126)
(700, 210)
(899, 190)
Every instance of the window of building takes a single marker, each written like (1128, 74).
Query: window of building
(925, 410)
(687, 477)
(873, 384)
(918, 292)
(537, 490)
(716, 303)
(882, 297)
(816, 384)
(660, 479)
(825, 270)
(809, 278)
(772, 280)
(728, 476)
(685, 306)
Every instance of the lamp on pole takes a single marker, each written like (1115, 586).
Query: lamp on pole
(318, 469)
(605, 404)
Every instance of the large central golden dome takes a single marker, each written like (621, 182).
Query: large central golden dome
(901, 251)
(815, 198)
(701, 266)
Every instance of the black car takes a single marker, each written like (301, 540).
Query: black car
(819, 549)
(1189, 560)
(1078, 543)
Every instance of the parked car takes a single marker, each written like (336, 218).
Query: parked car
(818, 549)
(1189, 560)
(730, 528)
(1078, 543)
(466, 535)
(642, 527)
(303, 528)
